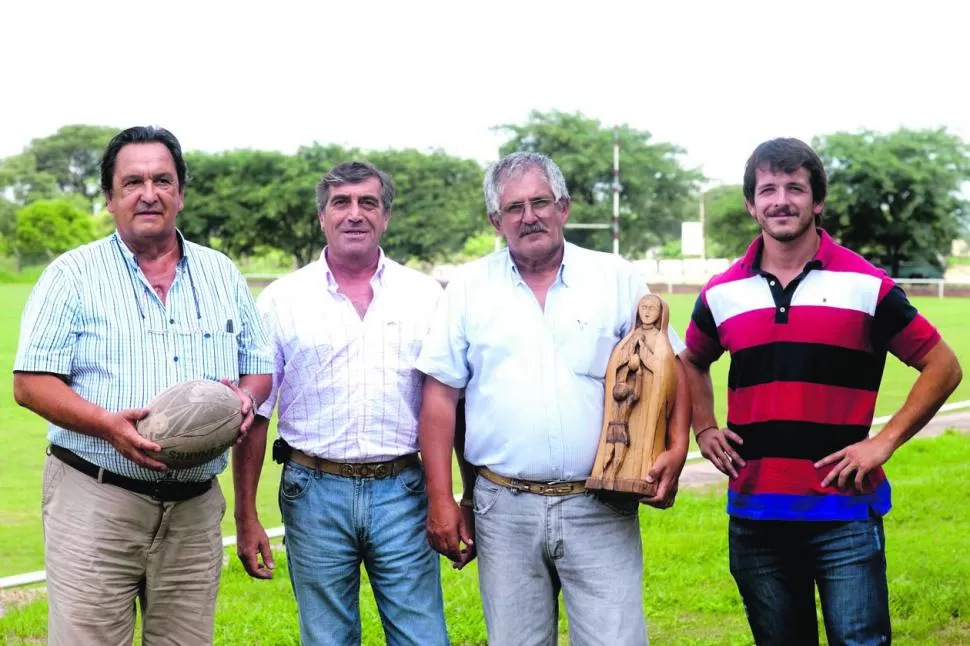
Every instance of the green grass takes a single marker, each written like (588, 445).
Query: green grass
(690, 596)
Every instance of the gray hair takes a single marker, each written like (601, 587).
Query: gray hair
(354, 172)
(515, 165)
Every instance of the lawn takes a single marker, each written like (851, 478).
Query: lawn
(684, 547)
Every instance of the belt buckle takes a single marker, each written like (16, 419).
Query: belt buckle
(162, 488)
(347, 470)
(382, 470)
(562, 488)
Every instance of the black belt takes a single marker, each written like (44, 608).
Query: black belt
(163, 490)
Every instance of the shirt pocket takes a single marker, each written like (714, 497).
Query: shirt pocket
(220, 355)
(587, 348)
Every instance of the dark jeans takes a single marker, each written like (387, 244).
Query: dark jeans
(777, 563)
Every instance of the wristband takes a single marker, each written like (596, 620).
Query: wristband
(704, 430)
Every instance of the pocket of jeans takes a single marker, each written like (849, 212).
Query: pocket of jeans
(294, 482)
(412, 480)
(485, 495)
(619, 504)
(53, 474)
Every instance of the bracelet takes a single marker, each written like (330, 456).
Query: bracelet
(466, 503)
(704, 430)
(252, 399)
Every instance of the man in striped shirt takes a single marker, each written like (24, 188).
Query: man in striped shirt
(808, 324)
(346, 331)
(107, 327)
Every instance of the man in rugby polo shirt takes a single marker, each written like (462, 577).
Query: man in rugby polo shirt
(808, 324)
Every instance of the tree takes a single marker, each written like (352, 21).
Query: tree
(728, 228)
(49, 227)
(895, 196)
(657, 191)
(69, 161)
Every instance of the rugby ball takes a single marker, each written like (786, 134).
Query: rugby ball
(193, 422)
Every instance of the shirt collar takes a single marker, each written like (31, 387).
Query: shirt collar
(129, 255)
(376, 279)
(751, 261)
(567, 268)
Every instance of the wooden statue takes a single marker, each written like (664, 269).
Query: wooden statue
(641, 382)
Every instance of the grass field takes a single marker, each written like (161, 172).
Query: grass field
(685, 548)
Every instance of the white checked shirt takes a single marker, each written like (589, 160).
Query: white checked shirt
(347, 387)
(533, 378)
(94, 318)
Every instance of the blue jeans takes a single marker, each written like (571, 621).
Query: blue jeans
(777, 564)
(531, 547)
(333, 524)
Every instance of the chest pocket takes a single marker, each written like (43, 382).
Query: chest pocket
(403, 338)
(220, 355)
(586, 347)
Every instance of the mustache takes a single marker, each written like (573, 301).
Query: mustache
(531, 228)
(783, 210)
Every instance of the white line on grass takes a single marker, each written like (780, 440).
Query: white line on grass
(277, 532)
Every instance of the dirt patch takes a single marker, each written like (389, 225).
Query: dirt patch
(16, 597)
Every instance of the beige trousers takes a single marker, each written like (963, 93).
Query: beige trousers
(105, 547)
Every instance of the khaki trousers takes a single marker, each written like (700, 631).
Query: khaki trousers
(105, 547)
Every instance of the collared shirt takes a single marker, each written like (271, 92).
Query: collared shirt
(347, 387)
(94, 318)
(534, 377)
(806, 363)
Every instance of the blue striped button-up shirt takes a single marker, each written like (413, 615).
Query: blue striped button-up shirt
(94, 318)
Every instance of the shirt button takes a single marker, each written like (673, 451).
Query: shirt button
(176, 359)
(772, 283)
(172, 321)
(781, 309)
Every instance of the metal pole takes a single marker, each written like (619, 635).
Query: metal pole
(703, 233)
(616, 190)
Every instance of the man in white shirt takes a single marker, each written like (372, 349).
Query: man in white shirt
(346, 331)
(527, 332)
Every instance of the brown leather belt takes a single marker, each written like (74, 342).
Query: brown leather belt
(357, 469)
(529, 486)
(162, 490)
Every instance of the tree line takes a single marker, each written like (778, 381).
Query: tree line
(891, 196)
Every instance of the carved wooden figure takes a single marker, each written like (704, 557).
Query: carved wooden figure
(641, 382)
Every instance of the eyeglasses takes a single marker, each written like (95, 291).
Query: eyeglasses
(134, 291)
(539, 206)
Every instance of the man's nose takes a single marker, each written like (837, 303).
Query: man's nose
(148, 192)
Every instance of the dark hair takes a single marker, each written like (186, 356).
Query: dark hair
(354, 172)
(141, 135)
(786, 155)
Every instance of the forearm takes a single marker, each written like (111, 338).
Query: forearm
(51, 398)
(678, 426)
(467, 469)
(436, 436)
(258, 386)
(937, 380)
(247, 465)
(701, 390)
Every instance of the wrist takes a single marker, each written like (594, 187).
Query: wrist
(704, 429)
(252, 398)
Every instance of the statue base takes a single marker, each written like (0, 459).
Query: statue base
(622, 485)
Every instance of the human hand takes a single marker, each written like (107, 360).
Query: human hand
(860, 458)
(444, 526)
(715, 444)
(466, 531)
(665, 471)
(123, 436)
(247, 406)
(253, 550)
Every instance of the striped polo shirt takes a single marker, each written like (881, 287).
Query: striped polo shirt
(94, 318)
(806, 363)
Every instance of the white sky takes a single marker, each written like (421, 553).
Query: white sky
(715, 77)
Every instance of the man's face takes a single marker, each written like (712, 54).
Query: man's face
(529, 218)
(354, 219)
(783, 204)
(145, 194)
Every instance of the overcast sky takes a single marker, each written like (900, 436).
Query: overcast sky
(715, 77)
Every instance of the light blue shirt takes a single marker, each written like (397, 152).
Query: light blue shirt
(533, 378)
(93, 318)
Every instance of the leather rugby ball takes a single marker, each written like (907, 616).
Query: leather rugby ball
(194, 422)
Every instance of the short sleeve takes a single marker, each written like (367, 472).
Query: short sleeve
(49, 325)
(445, 348)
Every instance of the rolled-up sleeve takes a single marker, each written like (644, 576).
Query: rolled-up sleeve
(48, 326)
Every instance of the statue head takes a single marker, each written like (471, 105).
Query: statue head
(650, 311)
